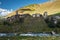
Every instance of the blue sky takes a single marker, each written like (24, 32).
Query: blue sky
(15, 4)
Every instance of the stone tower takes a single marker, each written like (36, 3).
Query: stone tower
(45, 15)
(16, 12)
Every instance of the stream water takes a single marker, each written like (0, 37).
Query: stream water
(26, 34)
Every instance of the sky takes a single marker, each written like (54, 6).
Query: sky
(15, 4)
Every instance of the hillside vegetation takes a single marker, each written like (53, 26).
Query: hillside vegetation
(29, 24)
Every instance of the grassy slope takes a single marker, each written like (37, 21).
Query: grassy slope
(57, 14)
(29, 25)
(31, 38)
(35, 25)
(50, 7)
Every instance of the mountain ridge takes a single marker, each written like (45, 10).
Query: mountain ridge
(50, 7)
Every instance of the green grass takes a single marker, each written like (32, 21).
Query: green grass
(34, 25)
(31, 38)
(56, 14)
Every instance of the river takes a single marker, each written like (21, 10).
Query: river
(26, 34)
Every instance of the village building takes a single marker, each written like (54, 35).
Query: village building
(26, 15)
(54, 19)
(8, 19)
(17, 17)
(36, 15)
(45, 15)
(57, 17)
(14, 17)
(33, 15)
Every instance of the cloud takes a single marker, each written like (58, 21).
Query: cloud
(5, 12)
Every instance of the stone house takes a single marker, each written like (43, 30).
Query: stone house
(36, 15)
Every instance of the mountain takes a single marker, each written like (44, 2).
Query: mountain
(50, 7)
